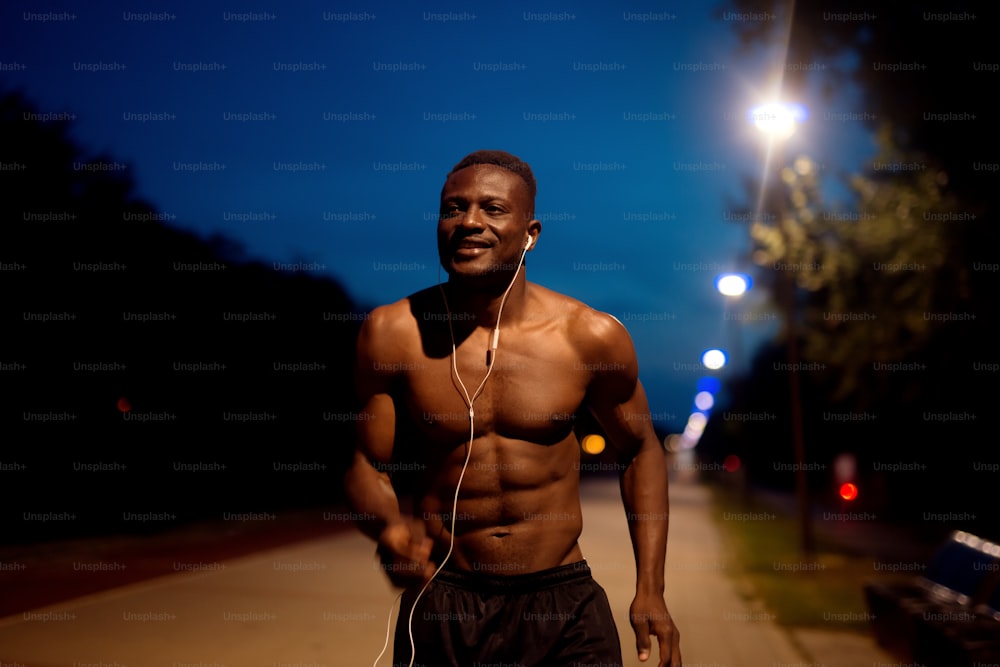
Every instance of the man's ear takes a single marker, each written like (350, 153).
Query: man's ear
(534, 231)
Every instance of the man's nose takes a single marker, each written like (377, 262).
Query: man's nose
(473, 217)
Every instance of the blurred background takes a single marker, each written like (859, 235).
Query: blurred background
(202, 201)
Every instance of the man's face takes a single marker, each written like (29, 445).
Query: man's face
(485, 221)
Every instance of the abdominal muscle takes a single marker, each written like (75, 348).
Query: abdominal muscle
(518, 507)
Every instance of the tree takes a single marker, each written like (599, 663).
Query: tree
(872, 273)
(894, 293)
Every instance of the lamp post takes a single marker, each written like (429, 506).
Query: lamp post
(778, 122)
(786, 287)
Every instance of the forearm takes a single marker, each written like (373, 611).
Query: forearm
(372, 499)
(644, 495)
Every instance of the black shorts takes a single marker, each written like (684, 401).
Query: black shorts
(551, 618)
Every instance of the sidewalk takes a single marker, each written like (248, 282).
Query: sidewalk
(322, 603)
(721, 625)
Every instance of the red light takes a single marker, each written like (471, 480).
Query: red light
(124, 405)
(731, 463)
(848, 491)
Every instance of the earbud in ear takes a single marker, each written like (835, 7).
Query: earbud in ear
(530, 242)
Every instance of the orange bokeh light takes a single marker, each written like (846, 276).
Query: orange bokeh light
(592, 444)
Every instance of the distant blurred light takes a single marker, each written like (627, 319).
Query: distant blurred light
(696, 421)
(709, 384)
(692, 435)
(672, 443)
(848, 491)
(777, 119)
(713, 359)
(704, 400)
(733, 284)
(592, 444)
(731, 463)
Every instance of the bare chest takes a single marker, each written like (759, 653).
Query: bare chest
(532, 393)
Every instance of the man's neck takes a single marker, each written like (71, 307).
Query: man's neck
(481, 304)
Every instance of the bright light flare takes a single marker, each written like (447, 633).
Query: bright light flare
(777, 119)
(733, 284)
(713, 359)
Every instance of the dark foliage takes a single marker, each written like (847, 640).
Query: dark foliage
(135, 354)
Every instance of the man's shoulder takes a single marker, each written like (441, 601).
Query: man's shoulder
(388, 330)
(398, 315)
(585, 323)
(602, 342)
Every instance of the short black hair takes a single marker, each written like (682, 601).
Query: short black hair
(503, 160)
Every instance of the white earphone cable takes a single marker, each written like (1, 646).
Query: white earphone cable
(469, 401)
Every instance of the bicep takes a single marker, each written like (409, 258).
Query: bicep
(626, 422)
(616, 398)
(376, 429)
(376, 419)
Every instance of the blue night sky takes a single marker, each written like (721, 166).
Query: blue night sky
(336, 123)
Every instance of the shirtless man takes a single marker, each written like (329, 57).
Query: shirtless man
(497, 424)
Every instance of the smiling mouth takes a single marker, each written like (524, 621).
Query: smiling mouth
(471, 247)
(468, 252)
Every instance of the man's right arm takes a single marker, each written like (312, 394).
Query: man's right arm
(369, 489)
(403, 547)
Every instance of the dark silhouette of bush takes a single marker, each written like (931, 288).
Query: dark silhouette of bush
(128, 342)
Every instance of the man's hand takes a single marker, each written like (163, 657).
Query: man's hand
(405, 552)
(649, 616)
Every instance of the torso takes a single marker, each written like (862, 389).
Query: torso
(518, 507)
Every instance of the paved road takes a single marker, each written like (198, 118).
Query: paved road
(322, 603)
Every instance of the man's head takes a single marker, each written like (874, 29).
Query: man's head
(504, 160)
(487, 216)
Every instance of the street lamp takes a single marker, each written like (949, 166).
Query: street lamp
(778, 121)
(733, 284)
(714, 359)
